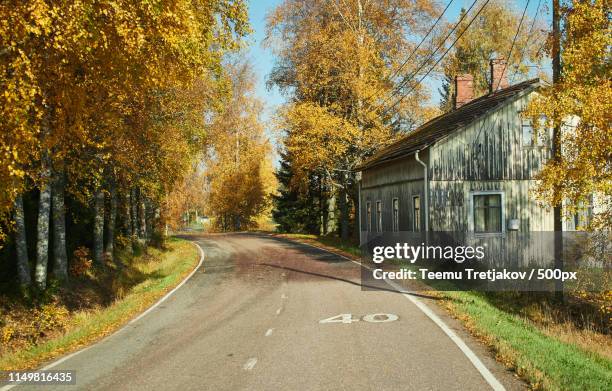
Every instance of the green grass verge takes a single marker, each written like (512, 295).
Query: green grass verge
(163, 270)
(546, 362)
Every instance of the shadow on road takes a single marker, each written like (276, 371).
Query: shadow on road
(378, 288)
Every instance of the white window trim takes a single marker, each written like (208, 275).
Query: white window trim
(379, 215)
(471, 212)
(369, 216)
(414, 218)
(394, 221)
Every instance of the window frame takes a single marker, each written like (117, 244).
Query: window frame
(584, 214)
(395, 214)
(416, 217)
(379, 216)
(369, 216)
(471, 223)
(542, 139)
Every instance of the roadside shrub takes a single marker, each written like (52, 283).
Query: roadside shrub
(23, 326)
(81, 262)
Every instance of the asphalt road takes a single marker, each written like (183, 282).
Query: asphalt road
(250, 319)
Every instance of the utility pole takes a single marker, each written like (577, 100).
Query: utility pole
(556, 143)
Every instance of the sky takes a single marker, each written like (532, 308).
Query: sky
(263, 59)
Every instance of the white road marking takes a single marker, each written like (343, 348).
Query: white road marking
(484, 371)
(250, 364)
(278, 311)
(166, 296)
(380, 318)
(269, 332)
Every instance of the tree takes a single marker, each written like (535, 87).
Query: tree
(105, 91)
(295, 211)
(491, 36)
(336, 60)
(580, 104)
(240, 178)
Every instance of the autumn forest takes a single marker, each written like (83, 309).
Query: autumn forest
(126, 121)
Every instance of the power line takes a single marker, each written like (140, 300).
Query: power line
(397, 71)
(411, 76)
(440, 59)
(408, 78)
(533, 22)
(512, 46)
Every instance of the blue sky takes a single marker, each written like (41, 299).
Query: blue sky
(263, 59)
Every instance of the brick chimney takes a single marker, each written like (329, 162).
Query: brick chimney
(464, 89)
(498, 80)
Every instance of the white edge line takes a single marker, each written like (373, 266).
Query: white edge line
(484, 371)
(166, 296)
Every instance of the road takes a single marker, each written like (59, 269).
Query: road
(250, 319)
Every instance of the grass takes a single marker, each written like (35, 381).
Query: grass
(550, 351)
(148, 277)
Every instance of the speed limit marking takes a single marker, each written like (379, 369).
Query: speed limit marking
(370, 318)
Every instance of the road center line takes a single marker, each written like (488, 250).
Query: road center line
(250, 364)
(484, 371)
(269, 332)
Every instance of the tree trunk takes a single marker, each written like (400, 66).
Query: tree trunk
(98, 231)
(344, 215)
(112, 218)
(21, 244)
(42, 227)
(142, 215)
(323, 208)
(134, 206)
(60, 267)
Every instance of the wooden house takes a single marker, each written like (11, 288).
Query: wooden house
(469, 170)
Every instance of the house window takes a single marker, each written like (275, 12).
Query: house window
(416, 208)
(584, 215)
(378, 216)
(488, 213)
(369, 216)
(530, 138)
(527, 130)
(395, 215)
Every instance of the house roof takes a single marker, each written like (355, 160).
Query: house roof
(443, 125)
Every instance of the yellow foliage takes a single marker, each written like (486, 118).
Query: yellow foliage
(584, 93)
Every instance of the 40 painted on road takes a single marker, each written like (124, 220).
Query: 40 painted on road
(370, 318)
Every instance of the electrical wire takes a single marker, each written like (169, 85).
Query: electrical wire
(409, 78)
(512, 46)
(533, 22)
(397, 71)
(437, 62)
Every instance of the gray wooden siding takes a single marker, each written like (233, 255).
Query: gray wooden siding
(486, 155)
(449, 204)
(490, 148)
(402, 179)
